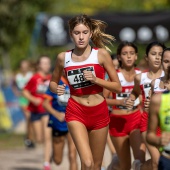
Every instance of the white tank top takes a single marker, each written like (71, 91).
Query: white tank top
(127, 87)
(157, 88)
(145, 83)
(21, 79)
(92, 59)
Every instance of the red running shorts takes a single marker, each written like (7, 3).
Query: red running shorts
(144, 123)
(122, 125)
(93, 117)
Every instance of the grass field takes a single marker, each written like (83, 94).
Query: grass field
(11, 141)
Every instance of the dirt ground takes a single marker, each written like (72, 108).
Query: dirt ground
(31, 159)
(24, 159)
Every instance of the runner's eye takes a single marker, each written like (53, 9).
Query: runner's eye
(166, 61)
(124, 53)
(76, 32)
(133, 52)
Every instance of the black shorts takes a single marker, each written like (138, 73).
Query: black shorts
(37, 116)
(57, 133)
(164, 163)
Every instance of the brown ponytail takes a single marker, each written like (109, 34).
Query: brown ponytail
(97, 27)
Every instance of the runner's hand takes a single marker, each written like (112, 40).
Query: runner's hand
(88, 75)
(146, 104)
(60, 116)
(37, 101)
(129, 103)
(61, 89)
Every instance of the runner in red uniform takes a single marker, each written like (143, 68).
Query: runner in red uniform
(87, 112)
(34, 92)
(143, 86)
(124, 124)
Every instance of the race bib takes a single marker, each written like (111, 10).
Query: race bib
(147, 88)
(120, 97)
(126, 95)
(76, 77)
(42, 88)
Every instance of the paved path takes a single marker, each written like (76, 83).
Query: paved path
(24, 159)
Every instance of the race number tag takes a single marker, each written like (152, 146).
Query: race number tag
(42, 86)
(147, 88)
(126, 95)
(120, 97)
(76, 77)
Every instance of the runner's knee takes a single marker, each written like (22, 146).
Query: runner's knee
(72, 156)
(88, 164)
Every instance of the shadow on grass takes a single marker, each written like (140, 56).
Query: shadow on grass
(11, 141)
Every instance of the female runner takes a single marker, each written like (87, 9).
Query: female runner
(34, 92)
(143, 86)
(20, 80)
(159, 114)
(87, 112)
(158, 85)
(124, 124)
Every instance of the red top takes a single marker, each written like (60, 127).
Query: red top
(37, 86)
(74, 71)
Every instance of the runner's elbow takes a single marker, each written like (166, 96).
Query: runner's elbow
(118, 89)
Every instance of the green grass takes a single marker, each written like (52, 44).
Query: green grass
(11, 141)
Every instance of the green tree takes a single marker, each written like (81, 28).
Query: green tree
(17, 18)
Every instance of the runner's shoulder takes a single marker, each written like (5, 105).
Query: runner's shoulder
(61, 56)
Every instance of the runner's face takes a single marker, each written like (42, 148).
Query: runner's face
(166, 61)
(24, 66)
(45, 65)
(81, 35)
(128, 56)
(154, 56)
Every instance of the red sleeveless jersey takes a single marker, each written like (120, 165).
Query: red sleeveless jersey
(74, 71)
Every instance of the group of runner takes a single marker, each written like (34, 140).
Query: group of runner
(78, 94)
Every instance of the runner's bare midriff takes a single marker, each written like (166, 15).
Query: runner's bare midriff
(89, 100)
